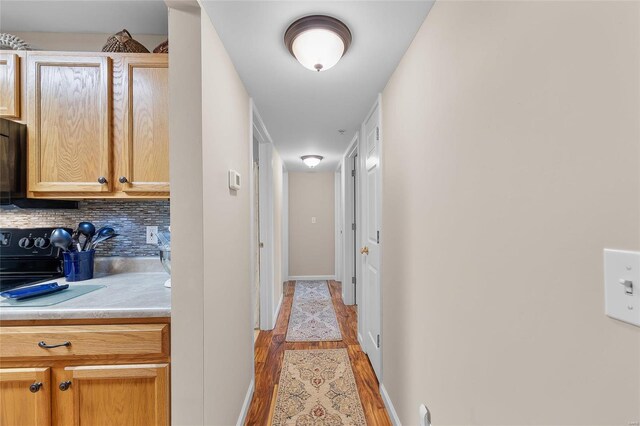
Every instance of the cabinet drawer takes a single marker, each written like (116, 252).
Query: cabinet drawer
(84, 340)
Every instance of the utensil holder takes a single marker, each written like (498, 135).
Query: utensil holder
(78, 265)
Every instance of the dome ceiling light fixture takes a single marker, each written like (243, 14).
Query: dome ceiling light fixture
(311, 160)
(317, 41)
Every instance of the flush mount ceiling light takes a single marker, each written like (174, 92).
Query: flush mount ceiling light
(317, 41)
(311, 160)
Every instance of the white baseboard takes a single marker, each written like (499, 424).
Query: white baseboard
(277, 312)
(246, 404)
(311, 277)
(390, 409)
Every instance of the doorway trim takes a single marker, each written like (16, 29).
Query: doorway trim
(259, 131)
(350, 267)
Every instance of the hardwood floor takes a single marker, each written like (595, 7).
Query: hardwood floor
(270, 347)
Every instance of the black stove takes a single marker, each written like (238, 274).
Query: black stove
(27, 257)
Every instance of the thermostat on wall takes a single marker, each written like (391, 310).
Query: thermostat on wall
(234, 180)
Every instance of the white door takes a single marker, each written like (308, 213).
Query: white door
(370, 251)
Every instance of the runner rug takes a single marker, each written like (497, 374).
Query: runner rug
(313, 318)
(317, 388)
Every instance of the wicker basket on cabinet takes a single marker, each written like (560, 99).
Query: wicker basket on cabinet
(122, 42)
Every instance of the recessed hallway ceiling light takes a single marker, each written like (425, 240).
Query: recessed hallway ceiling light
(317, 41)
(311, 160)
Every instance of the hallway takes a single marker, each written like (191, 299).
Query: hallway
(269, 352)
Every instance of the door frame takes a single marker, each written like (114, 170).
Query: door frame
(267, 273)
(338, 224)
(350, 268)
(362, 236)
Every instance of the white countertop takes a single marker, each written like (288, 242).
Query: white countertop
(125, 295)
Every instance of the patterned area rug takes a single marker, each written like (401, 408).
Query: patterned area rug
(317, 388)
(313, 318)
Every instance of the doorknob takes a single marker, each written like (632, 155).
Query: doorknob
(364, 250)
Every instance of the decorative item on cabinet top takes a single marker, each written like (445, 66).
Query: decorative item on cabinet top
(123, 42)
(162, 47)
(11, 42)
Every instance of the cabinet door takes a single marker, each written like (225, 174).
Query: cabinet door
(145, 156)
(132, 395)
(24, 396)
(69, 118)
(9, 85)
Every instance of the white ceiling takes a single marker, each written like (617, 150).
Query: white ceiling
(137, 16)
(303, 110)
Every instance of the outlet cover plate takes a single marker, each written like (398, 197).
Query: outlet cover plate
(152, 235)
(425, 415)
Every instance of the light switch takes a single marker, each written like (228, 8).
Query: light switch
(622, 285)
(313, 219)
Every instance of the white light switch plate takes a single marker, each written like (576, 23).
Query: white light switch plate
(621, 266)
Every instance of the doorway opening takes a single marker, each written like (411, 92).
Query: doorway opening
(256, 237)
(351, 258)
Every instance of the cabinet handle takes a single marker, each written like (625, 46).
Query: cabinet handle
(35, 387)
(64, 385)
(123, 179)
(102, 180)
(45, 346)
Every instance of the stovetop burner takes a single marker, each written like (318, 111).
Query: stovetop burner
(27, 257)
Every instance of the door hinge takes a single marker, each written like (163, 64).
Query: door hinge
(377, 133)
(353, 172)
(378, 237)
(378, 341)
(353, 280)
(353, 226)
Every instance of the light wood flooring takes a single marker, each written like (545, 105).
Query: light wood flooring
(270, 347)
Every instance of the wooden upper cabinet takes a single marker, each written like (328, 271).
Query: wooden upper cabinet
(69, 122)
(145, 150)
(9, 85)
(25, 396)
(133, 395)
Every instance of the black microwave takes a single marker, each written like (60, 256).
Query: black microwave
(13, 170)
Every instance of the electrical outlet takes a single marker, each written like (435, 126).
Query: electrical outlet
(313, 219)
(152, 235)
(425, 415)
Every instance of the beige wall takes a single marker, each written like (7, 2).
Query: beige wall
(311, 245)
(81, 42)
(212, 326)
(510, 160)
(276, 167)
(187, 260)
(227, 286)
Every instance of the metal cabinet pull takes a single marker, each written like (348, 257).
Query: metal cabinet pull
(64, 385)
(102, 180)
(35, 387)
(123, 179)
(45, 346)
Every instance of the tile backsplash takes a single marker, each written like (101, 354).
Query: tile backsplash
(128, 218)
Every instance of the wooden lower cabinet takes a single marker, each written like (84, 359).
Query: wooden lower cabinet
(60, 388)
(135, 395)
(25, 397)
